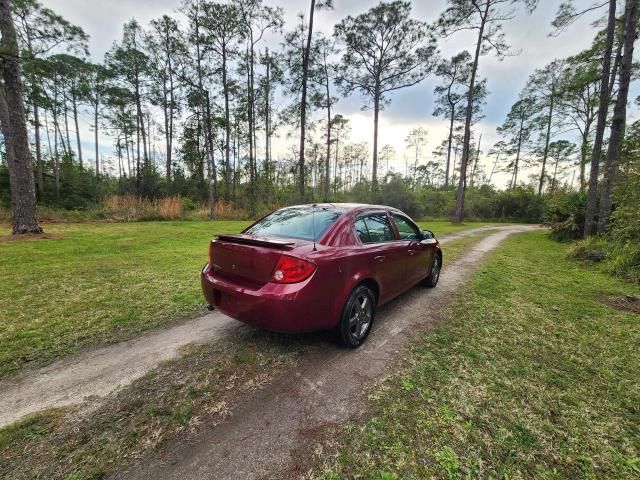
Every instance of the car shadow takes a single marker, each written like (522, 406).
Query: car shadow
(320, 340)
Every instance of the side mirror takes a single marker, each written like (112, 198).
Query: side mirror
(427, 234)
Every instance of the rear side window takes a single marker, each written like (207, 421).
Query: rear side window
(374, 228)
(361, 230)
(295, 222)
(406, 228)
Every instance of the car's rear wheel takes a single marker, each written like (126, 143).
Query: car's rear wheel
(434, 274)
(357, 317)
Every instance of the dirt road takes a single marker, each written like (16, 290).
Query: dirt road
(86, 377)
(268, 433)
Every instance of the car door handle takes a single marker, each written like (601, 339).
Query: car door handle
(412, 252)
(379, 258)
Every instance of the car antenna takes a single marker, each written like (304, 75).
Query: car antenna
(313, 221)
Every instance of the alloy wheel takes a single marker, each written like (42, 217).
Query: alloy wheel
(360, 317)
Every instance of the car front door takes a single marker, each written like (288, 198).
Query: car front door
(383, 252)
(418, 254)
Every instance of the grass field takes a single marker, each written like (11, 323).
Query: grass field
(529, 375)
(96, 283)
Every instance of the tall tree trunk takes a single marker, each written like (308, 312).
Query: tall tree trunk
(475, 162)
(149, 129)
(46, 129)
(517, 160)
(335, 164)
(167, 142)
(36, 117)
(227, 125)
(137, 153)
(172, 102)
(592, 195)
(235, 158)
(14, 129)
(96, 110)
(584, 150)
(303, 101)
(415, 167)
(126, 145)
(449, 142)
(39, 162)
(495, 165)
(267, 124)
(56, 132)
(252, 131)
(462, 182)
(327, 175)
(618, 122)
(376, 114)
(204, 121)
(212, 160)
(65, 109)
(75, 120)
(119, 151)
(212, 188)
(143, 131)
(250, 127)
(545, 154)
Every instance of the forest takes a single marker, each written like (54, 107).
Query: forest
(193, 101)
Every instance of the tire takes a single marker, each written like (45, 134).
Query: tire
(434, 274)
(355, 324)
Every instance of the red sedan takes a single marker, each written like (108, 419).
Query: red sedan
(319, 267)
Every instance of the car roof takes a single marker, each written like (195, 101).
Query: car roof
(347, 207)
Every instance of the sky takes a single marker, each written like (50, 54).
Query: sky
(528, 35)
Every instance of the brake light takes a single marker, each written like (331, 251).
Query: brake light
(291, 270)
(211, 254)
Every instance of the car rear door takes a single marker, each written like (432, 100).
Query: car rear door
(417, 254)
(382, 251)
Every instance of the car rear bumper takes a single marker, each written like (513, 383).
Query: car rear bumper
(279, 307)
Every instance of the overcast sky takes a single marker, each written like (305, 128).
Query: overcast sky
(411, 107)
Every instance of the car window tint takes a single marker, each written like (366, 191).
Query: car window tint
(378, 227)
(361, 230)
(406, 228)
(295, 222)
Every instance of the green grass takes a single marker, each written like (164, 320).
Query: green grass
(103, 282)
(528, 375)
(97, 283)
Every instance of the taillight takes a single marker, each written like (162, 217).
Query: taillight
(291, 270)
(211, 254)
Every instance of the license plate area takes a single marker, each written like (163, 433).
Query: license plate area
(223, 299)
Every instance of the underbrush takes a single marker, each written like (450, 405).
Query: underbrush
(621, 259)
(132, 208)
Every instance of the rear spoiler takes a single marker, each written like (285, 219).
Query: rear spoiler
(253, 240)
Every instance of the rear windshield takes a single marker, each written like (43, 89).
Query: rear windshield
(295, 222)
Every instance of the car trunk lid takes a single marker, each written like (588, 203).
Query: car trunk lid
(249, 258)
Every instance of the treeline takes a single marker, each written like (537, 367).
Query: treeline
(192, 105)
